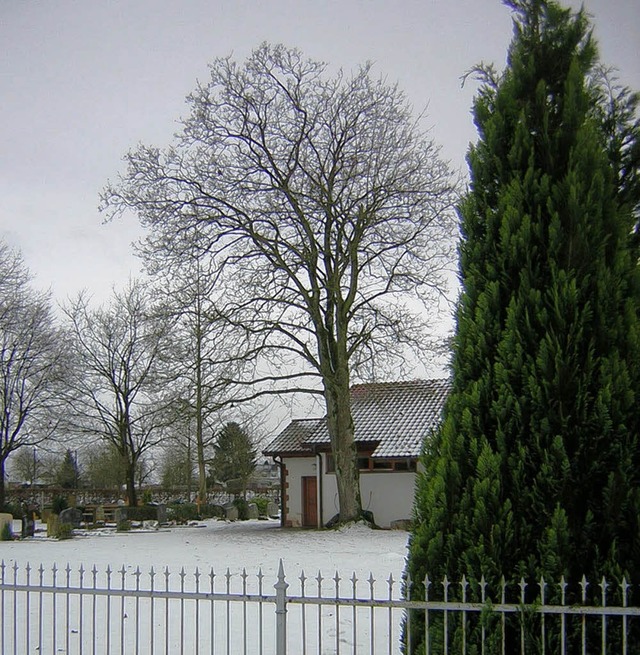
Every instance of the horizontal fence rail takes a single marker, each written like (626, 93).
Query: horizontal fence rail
(521, 618)
(127, 611)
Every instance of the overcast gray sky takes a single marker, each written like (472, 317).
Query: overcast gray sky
(83, 81)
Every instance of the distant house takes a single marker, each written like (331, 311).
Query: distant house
(391, 420)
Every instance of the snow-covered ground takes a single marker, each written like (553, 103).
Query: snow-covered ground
(226, 548)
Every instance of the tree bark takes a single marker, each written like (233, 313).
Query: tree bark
(2, 483)
(343, 446)
(132, 496)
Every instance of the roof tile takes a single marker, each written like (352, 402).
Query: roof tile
(397, 416)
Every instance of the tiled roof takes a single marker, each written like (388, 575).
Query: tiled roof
(394, 417)
(292, 439)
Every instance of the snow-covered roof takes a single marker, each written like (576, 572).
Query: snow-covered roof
(393, 418)
(292, 439)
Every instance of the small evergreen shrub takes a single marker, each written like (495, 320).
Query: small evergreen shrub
(183, 512)
(211, 511)
(7, 533)
(263, 506)
(58, 530)
(243, 508)
(58, 504)
(143, 513)
(123, 526)
(64, 531)
(11, 508)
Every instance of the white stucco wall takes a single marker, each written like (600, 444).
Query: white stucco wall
(297, 468)
(388, 494)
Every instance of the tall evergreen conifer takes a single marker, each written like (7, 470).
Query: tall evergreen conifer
(536, 467)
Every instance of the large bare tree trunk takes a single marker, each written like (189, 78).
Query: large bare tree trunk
(132, 496)
(343, 446)
(2, 489)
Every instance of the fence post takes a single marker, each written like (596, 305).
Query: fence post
(281, 612)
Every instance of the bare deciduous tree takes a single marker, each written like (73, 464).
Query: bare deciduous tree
(329, 212)
(33, 362)
(200, 356)
(117, 388)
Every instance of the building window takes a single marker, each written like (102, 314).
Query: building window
(367, 464)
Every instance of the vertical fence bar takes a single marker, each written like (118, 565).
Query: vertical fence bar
(80, 602)
(445, 618)
(584, 584)
(152, 575)
(4, 614)
(603, 585)
(319, 581)
(483, 598)
(67, 612)
(408, 589)
(464, 584)
(390, 582)
(123, 614)
(427, 633)
(166, 611)
(261, 643)
(563, 620)
(303, 615)
(336, 580)
(40, 598)
(108, 622)
(542, 584)
(54, 610)
(244, 610)
(372, 582)
(15, 607)
(196, 576)
(212, 630)
(281, 611)
(94, 573)
(228, 577)
(28, 617)
(182, 576)
(503, 594)
(625, 588)
(354, 630)
(523, 587)
(136, 625)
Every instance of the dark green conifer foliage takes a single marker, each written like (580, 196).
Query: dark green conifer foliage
(536, 467)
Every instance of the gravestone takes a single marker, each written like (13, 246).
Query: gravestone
(253, 511)
(6, 519)
(28, 522)
(162, 514)
(231, 512)
(73, 516)
(100, 517)
(273, 511)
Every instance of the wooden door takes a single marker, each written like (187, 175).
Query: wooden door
(309, 502)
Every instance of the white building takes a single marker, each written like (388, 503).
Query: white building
(391, 420)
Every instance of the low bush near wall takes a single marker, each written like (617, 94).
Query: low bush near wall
(143, 513)
(6, 534)
(183, 512)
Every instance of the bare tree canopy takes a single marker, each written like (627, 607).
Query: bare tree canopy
(33, 362)
(117, 388)
(328, 211)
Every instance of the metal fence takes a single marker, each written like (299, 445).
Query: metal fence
(525, 618)
(127, 611)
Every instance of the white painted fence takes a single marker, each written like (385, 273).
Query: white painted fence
(127, 611)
